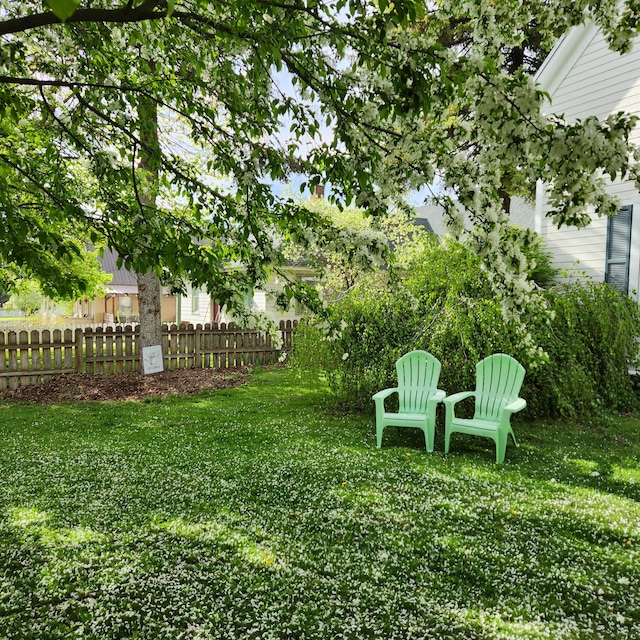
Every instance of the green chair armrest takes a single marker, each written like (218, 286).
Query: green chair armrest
(385, 393)
(438, 396)
(451, 400)
(517, 405)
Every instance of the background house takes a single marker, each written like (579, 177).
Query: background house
(431, 216)
(198, 306)
(120, 302)
(584, 78)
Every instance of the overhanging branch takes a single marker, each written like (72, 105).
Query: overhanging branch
(148, 10)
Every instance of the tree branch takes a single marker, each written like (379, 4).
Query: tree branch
(148, 10)
(43, 188)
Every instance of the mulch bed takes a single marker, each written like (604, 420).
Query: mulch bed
(127, 386)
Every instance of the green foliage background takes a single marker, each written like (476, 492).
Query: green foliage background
(444, 304)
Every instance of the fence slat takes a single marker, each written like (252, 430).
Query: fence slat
(23, 341)
(35, 351)
(45, 341)
(108, 350)
(57, 349)
(128, 349)
(119, 353)
(79, 351)
(3, 363)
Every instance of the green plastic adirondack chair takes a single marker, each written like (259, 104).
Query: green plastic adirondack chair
(418, 396)
(498, 381)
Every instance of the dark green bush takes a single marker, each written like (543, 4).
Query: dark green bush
(590, 343)
(445, 305)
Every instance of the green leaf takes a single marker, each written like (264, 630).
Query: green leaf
(64, 9)
(171, 6)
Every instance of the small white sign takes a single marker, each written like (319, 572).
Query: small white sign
(152, 360)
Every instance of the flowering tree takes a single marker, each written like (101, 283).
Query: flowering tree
(156, 126)
(363, 244)
(463, 114)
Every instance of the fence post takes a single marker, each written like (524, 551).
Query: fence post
(79, 350)
(197, 347)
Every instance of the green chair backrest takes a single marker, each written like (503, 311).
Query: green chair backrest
(418, 375)
(498, 381)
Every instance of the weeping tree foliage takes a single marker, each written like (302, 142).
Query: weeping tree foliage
(445, 305)
(372, 97)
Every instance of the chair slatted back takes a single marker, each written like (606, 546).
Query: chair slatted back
(498, 381)
(418, 375)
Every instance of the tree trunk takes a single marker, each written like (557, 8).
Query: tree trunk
(149, 302)
(149, 289)
(506, 200)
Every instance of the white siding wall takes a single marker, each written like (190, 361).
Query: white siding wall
(264, 301)
(522, 213)
(598, 83)
(204, 312)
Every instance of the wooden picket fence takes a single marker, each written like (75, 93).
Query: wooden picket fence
(27, 357)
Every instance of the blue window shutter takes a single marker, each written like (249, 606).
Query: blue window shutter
(618, 249)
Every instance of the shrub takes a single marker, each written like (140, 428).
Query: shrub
(444, 304)
(591, 342)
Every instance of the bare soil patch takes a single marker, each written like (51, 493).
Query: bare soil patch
(127, 386)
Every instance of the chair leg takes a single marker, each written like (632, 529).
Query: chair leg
(447, 440)
(429, 438)
(501, 447)
(379, 430)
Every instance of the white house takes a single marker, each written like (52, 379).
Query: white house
(198, 307)
(584, 78)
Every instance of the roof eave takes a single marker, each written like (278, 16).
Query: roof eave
(565, 53)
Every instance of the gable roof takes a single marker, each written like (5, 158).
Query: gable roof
(121, 275)
(124, 281)
(564, 55)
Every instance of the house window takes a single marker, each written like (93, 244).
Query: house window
(618, 248)
(124, 308)
(195, 299)
(248, 300)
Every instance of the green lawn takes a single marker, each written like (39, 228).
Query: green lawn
(257, 513)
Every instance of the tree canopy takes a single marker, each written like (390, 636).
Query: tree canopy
(372, 97)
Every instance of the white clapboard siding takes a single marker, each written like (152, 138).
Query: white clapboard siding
(203, 314)
(594, 82)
